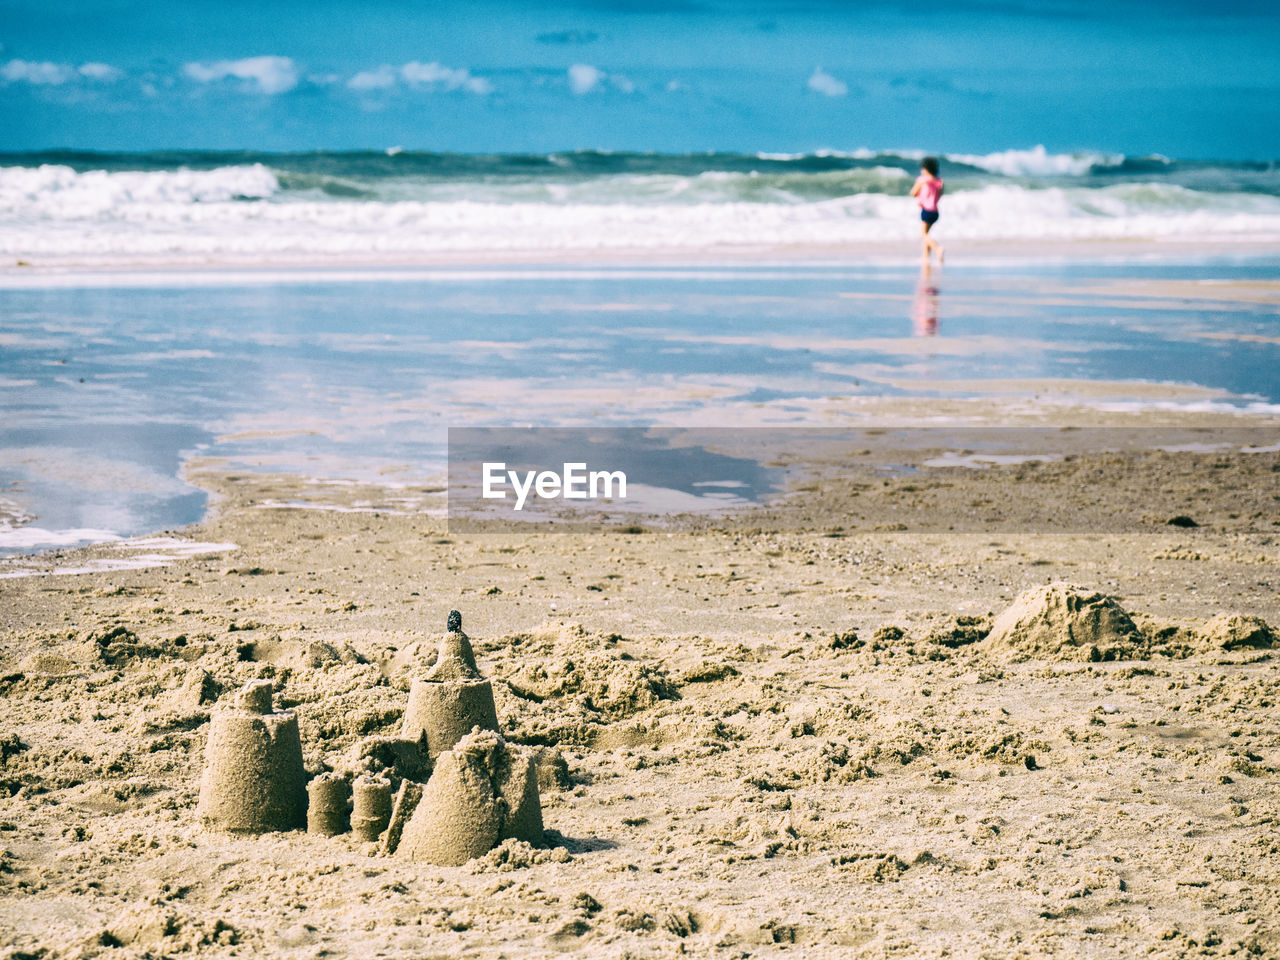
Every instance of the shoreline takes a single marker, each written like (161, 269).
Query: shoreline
(926, 458)
(1151, 416)
(38, 271)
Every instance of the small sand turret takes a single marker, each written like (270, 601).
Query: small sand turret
(482, 792)
(372, 807)
(328, 805)
(453, 697)
(253, 780)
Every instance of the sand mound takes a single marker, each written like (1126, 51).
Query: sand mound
(1231, 631)
(50, 664)
(1063, 622)
(481, 793)
(299, 654)
(516, 855)
(116, 645)
(198, 689)
(563, 685)
(393, 757)
(580, 670)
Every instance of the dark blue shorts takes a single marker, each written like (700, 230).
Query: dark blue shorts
(929, 216)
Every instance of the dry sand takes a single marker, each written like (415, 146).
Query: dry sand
(806, 742)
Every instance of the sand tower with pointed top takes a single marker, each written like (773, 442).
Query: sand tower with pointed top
(254, 781)
(483, 791)
(452, 698)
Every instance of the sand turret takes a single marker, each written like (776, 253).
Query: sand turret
(328, 805)
(482, 792)
(371, 811)
(253, 780)
(452, 699)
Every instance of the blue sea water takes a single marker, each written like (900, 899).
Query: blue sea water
(109, 385)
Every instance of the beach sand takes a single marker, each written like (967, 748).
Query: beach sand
(784, 733)
(47, 269)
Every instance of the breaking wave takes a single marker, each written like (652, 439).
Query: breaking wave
(67, 204)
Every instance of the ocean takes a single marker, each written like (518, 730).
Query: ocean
(183, 206)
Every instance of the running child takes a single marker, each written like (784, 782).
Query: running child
(928, 191)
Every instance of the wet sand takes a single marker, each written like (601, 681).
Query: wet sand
(785, 733)
(40, 270)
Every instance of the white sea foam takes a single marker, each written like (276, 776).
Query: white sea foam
(132, 554)
(58, 192)
(242, 211)
(862, 153)
(26, 537)
(1038, 162)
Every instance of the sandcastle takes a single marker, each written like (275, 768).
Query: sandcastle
(254, 781)
(482, 790)
(479, 791)
(452, 698)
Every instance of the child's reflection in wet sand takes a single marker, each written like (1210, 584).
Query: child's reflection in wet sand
(924, 308)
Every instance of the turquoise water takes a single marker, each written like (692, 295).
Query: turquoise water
(108, 386)
(671, 177)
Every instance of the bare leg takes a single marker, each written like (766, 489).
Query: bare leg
(930, 244)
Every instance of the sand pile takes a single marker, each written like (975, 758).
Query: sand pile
(298, 654)
(154, 928)
(393, 758)
(481, 793)
(1064, 622)
(610, 687)
(199, 688)
(1231, 631)
(573, 684)
(111, 644)
(116, 645)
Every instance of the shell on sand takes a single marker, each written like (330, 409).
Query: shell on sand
(1063, 622)
(482, 792)
(253, 780)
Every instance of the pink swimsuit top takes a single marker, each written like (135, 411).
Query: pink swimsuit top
(930, 193)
